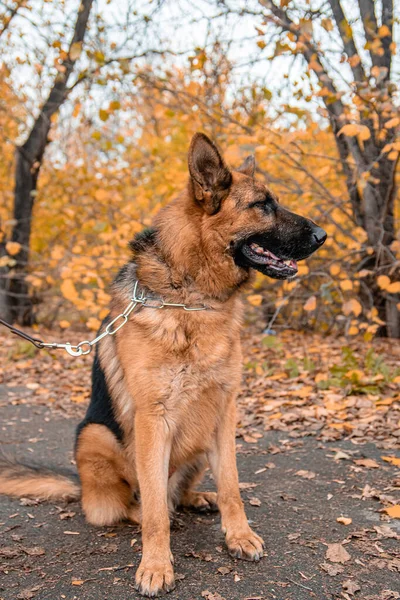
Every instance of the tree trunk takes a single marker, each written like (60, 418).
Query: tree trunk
(15, 302)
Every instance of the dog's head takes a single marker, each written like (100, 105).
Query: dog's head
(254, 228)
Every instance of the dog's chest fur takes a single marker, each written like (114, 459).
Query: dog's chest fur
(182, 366)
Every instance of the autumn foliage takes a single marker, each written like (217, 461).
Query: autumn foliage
(103, 182)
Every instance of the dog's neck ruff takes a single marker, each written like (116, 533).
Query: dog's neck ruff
(139, 297)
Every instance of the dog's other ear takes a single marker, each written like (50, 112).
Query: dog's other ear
(248, 166)
(211, 178)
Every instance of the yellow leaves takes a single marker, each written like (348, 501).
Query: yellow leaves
(103, 115)
(64, 324)
(394, 288)
(392, 123)
(93, 324)
(7, 261)
(255, 299)
(334, 270)
(393, 460)
(393, 511)
(346, 285)
(57, 253)
(327, 24)
(75, 51)
(101, 195)
(311, 304)
(383, 31)
(385, 284)
(68, 290)
(77, 109)
(315, 66)
(352, 306)
(353, 330)
(354, 60)
(36, 282)
(13, 248)
(303, 270)
(344, 520)
(351, 130)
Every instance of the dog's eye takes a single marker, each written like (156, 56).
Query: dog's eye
(264, 204)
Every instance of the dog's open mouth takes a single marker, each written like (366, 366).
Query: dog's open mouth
(267, 262)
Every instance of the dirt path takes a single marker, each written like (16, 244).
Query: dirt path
(294, 491)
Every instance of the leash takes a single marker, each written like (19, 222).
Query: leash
(86, 346)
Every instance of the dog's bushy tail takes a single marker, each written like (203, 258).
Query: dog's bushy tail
(42, 483)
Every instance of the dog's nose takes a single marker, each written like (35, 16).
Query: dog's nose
(319, 235)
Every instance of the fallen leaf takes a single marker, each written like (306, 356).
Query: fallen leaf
(336, 553)
(77, 582)
(392, 459)
(332, 570)
(247, 486)
(344, 520)
(341, 456)
(29, 593)
(255, 501)
(35, 551)
(386, 531)
(224, 570)
(369, 463)
(8, 552)
(351, 587)
(393, 511)
(305, 474)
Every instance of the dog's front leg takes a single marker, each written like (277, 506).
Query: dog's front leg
(152, 453)
(241, 540)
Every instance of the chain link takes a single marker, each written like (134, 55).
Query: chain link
(138, 297)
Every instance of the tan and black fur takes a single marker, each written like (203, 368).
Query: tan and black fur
(164, 387)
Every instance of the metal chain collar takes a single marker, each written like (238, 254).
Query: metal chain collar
(138, 297)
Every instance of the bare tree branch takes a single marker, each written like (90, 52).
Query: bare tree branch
(347, 39)
(13, 13)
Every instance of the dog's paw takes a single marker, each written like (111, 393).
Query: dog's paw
(247, 545)
(154, 577)
(202, 501)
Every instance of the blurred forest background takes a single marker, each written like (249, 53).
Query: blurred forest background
(98, 102)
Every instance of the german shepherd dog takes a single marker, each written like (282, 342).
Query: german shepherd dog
(164, 386)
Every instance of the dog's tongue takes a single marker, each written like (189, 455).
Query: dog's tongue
(293, 264)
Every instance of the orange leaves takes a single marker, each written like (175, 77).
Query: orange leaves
(393, 460)
(255, 299)
(93, 324)
(392, 123)
(352, 306)
(385, 284)
(346, 285)
(352, 130)
(344, 520)
(75, 51)
(311, 304)
(68, 290)
(393, 511)
(13, 248)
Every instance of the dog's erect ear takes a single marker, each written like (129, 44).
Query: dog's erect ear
(248, 166)
(210, 176)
